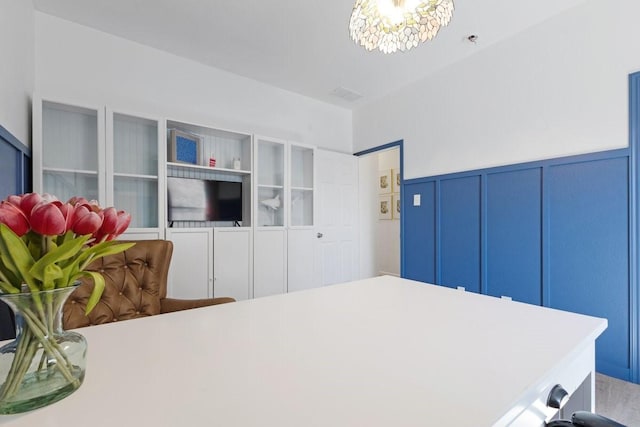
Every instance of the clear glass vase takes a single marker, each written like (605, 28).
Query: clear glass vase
(44, 363)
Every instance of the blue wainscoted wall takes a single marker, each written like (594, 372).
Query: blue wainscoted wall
(15, 178)
(563, 233)
(553, 233)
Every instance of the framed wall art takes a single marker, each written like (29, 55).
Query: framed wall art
(396, 180)
(384, 207)
(384, 182)
(396, 203)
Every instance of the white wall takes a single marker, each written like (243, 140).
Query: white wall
(388, 231)
(559, 88)
(379, 239)
(16, 72)
(367, 214)
(78, 64)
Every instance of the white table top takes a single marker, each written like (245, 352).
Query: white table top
(377, 352)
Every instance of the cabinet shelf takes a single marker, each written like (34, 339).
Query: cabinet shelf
(278, 187)
(208, 168)
(135, 176)
(301, 188)
(74, 171)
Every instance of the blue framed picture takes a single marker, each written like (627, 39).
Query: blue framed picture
(184, 147)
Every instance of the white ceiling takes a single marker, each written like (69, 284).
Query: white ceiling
(302, 46)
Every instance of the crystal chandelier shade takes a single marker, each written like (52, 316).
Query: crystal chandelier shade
(392, 25)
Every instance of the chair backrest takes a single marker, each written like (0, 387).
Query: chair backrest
(135, 281)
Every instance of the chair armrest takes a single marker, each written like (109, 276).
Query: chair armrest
(587, 419)
(168, 305)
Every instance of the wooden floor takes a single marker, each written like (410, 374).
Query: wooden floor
(618, 400)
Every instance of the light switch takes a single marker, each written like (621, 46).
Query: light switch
(416, 200)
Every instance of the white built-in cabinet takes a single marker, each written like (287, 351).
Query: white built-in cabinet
(270, 245)
(301, 185)
(69, 150)
(121, 159)
(284, 235)
(226, 262)
(134, 157)
(301, 233)
(233, 262)
(211, 262)
(191, 269)
(224, 146)
(103, 155)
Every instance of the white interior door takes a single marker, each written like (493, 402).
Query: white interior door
(337, 242)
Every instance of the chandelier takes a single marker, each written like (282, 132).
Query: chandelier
(391, 25)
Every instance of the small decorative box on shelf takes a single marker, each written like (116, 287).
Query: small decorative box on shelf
(184, 147)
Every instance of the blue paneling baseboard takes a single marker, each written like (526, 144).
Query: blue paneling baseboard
(553, 233)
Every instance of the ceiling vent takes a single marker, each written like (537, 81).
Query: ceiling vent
(346, 94)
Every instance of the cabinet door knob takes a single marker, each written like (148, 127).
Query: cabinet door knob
(319, 235)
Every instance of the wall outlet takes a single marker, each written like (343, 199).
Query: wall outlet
(416, 200)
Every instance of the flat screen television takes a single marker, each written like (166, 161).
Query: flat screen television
(204, 200)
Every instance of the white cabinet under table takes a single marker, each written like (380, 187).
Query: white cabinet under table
(377, 352)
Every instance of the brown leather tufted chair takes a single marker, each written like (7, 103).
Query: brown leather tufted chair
(135, 286)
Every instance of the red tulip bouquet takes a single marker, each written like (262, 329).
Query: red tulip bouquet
(46, 245)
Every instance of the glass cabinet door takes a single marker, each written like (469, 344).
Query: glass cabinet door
(71, 140)
(270, 167)
(133, 169)
(302, 185)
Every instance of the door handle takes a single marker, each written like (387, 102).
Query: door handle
(319, 235)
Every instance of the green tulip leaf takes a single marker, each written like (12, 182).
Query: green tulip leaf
(8, 288)
(101, 250)
(69, 235)
(51, 273)
(98, 288)
(69, 270)
(59, 253)
(113, 248)
(7, 276)
(16, 256)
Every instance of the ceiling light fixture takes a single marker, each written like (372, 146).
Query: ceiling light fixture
(392, 25)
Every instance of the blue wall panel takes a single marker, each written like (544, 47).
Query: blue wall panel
(10, 169)
(589, 250)
(514, 235)
(460, 232)
(419, 244)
